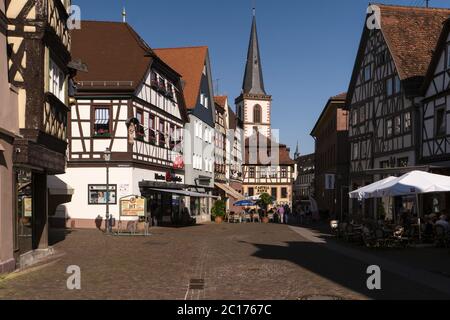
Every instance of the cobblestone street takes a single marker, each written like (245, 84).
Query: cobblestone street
(248, 261)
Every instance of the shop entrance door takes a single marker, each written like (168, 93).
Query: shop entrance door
(24, 213)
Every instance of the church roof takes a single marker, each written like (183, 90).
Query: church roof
(253, 77)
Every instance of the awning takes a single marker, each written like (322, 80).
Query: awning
(57, 187)
(230, 191)
(185, 193)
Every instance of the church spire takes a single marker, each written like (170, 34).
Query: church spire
(253, 78)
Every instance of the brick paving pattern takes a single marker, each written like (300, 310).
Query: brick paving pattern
(226, 262)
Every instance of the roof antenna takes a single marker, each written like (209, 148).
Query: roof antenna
(124, 15)
(427, 2)
(254, 8)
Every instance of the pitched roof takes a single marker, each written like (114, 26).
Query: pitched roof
(253, 77)
(221, 100)
(339, 99)
(113, 52)
(283, 150)
(441, 45)
(188, 62)
(232, 119)
(411, 34)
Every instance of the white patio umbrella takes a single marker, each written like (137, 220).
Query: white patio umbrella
(363, 192)
(412, 183)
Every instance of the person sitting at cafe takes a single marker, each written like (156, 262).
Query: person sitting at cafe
(443, 223)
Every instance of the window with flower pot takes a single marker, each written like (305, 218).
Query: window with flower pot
(140, 130)
(154, 80)
(152, 129)
(102, 122)
(172, 137)
(162, 133)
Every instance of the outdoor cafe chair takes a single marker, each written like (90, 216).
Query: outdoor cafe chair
(247, 217)
(271, 217)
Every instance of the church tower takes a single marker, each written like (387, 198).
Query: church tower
(254, 104)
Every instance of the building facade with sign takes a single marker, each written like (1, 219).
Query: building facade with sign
(126, 128)
(194, 65)
(268, 167)
(332, 158)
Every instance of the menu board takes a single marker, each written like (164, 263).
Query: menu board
(133, 206)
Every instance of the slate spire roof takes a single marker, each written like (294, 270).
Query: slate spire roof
(253, 78)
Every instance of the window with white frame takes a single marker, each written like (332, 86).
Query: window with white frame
(407, 122)
(57, 81)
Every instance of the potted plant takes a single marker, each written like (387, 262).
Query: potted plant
(264, 201)
(218, 211)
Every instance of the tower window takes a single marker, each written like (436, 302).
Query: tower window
(257, 114)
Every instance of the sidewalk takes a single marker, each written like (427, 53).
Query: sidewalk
(424, 263)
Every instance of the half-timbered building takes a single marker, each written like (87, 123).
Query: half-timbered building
(9, 130)
(435, 118)
(221, 127)
(384, 92)
(40, 68)
(228, 154)
(193, 63)
(129, 117)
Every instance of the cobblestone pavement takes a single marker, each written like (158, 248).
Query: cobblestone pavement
(248, 261)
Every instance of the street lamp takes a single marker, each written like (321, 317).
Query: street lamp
(107, 158)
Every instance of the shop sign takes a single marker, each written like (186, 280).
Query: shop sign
(133, 206)
(169, 177)
(179, 162)
(27, 207)
(262, 189)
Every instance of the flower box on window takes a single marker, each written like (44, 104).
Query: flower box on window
(140, 133)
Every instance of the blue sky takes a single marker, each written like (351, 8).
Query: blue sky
(308, 48)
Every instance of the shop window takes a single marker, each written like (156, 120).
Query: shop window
(102, 122)
(251, 192)
(98, 194)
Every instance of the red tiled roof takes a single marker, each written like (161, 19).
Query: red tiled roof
(188, 62)
(411, 34)
(221, 100)
(112, 52)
